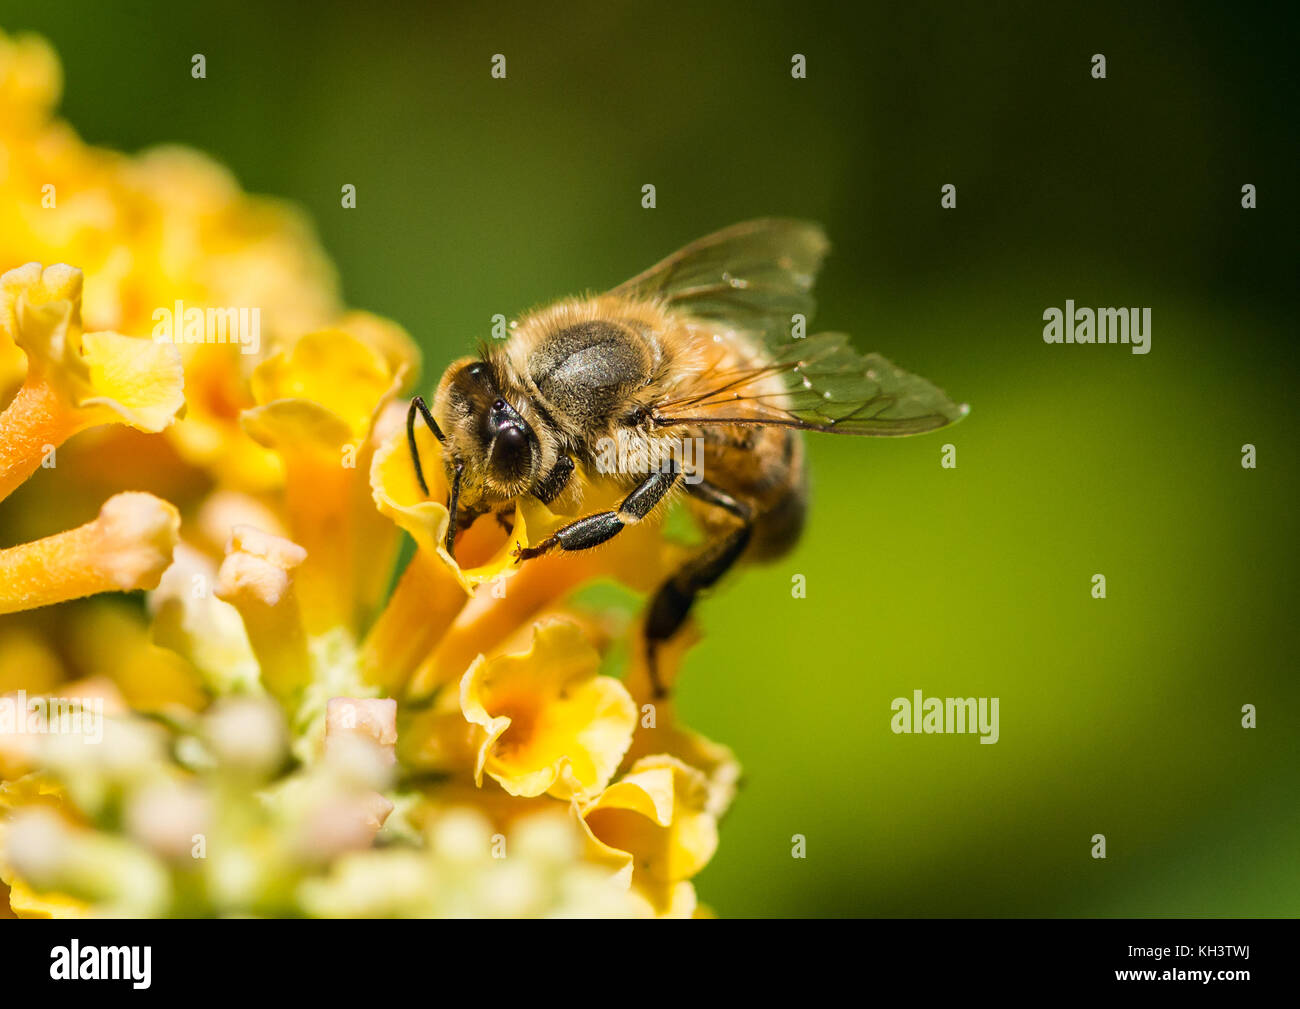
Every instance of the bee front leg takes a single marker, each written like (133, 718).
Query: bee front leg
(593, 530)
(420, 408)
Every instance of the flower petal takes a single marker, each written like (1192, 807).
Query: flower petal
(485, 553)
(338, 372)
(108, 376)
(663, 733)
(137, 380)
(549, 723)
(655, 818)
(319, 402)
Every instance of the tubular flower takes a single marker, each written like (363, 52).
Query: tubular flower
(665, 735)
(75, 380)
(300, 717)
(316, 404)
(654, 824)
(548, 722)
(127, 547)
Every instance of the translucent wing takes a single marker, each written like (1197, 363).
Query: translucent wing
(752, 276)
(817, 384)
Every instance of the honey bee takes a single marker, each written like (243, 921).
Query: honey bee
(707, 345)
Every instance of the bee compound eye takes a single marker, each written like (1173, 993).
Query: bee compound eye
(511, 453)
(512, 437)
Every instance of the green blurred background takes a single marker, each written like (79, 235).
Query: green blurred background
(1122, 716)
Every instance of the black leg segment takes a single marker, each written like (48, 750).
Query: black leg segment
(593, 530)
(419, 406)
(672, 602)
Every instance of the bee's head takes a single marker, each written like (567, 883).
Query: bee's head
(489, 448)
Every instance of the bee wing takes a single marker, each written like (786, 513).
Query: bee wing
(752, 276)
(823, 385)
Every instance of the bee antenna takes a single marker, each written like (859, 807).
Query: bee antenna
(419, 405)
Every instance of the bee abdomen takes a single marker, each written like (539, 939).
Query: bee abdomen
(764, 467)
(783, 503)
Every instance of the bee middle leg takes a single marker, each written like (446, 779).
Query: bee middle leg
(593, 530)
(673, 601)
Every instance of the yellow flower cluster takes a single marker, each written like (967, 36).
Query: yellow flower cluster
(276, 727)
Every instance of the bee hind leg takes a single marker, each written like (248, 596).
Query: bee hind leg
(672, 602)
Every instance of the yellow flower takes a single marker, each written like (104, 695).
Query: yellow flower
(169, 225)
(30, 80)
(209, 436)
(661, 732)
(328, 383)
(74, 380)
(335, 744)
(653, 823)
(549, 723)
(317, 402)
